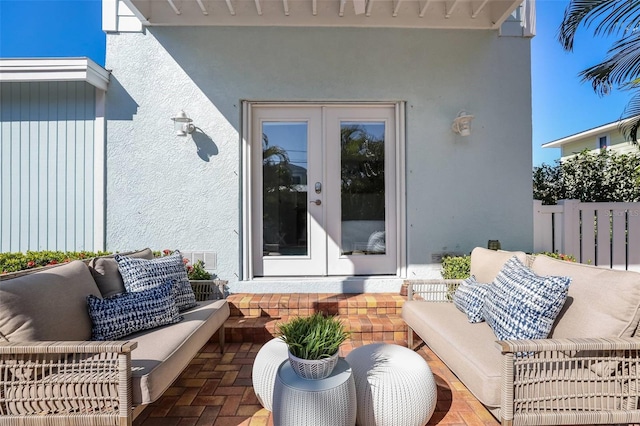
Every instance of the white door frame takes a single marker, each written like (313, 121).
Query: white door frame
(247, 176)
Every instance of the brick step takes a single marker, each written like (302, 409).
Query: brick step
(383, 327)
(302, 304)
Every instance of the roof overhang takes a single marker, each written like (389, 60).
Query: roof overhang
(451, 14)
(596, 131)
(54, 69)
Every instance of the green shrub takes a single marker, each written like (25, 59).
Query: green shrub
(14, 262)
(456, 267)
(604, 176)
(561, 256)
(197, 271)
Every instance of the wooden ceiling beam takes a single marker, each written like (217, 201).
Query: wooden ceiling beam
(396, 7)
(449, 9)
(232, 10)
(423, 10)
(369, 7)
(476, 12)
(173, 6)
(202, 8)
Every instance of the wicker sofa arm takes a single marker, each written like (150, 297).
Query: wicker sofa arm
(66, 382)
(432, 290)
(570, 381)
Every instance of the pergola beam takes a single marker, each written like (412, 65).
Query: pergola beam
(173, 6)
(396, 7)
(423, 10)
(232, 11)
(476, 12)
(448, 10)
(369, 7)
(202, 8)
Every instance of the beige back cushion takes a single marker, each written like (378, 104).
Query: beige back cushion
(47, 305)
(105, 272)
(485, 263)
(601, 302)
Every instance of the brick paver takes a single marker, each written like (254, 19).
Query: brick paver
(216, 390)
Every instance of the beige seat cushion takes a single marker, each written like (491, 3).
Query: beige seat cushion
(47, 305)
(155, 366)
(601, 302)
(470, 352)
(485, 263)
(468, 349)
(106, 274)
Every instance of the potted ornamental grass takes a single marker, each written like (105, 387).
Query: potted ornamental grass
(313, 344)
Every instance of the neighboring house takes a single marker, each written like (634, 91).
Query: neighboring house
(607, 136)
(52, 130)
(358, 95)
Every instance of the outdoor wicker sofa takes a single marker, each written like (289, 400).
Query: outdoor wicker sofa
(586, 372)
(51, 373)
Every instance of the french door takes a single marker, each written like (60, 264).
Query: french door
(323, 190)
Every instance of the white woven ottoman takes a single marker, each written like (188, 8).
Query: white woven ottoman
(265, 368)
(394, 386)
(324, 402)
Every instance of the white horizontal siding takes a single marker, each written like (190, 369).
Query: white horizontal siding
(46, 166)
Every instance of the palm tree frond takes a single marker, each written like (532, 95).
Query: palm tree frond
(618, 17)
(578, 13)
(621, 66)
(630, 124)
(600, 78)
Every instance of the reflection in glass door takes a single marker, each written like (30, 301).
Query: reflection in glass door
(288, 237)
(284, 188)
(362, 189)
(323, 190)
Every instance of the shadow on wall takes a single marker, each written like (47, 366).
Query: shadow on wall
(121, 104)
(123, 107)
(207, 148)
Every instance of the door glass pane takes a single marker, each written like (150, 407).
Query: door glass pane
(284, 190)
(362, 188)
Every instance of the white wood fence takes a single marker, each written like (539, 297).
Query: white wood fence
(601, 234)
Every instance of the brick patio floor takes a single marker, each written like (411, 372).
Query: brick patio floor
(216, 390)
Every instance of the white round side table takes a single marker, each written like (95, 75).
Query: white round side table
(325, 402)
(265, 367)
(394, 386)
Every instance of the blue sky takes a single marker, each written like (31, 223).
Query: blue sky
(562, 105)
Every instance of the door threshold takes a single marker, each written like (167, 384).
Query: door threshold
(346, 284)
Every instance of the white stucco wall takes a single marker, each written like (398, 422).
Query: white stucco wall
(461, 192)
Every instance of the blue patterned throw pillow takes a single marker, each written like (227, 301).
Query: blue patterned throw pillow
(143, 274)
(523, 305)
(127, 313)
(469, 298)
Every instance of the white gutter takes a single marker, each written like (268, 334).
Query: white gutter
(54, 69)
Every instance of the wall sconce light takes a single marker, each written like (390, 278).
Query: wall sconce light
(182, 124)
(462, 124)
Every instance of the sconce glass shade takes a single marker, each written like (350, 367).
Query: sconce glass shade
(462, 124)
(182, 124)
